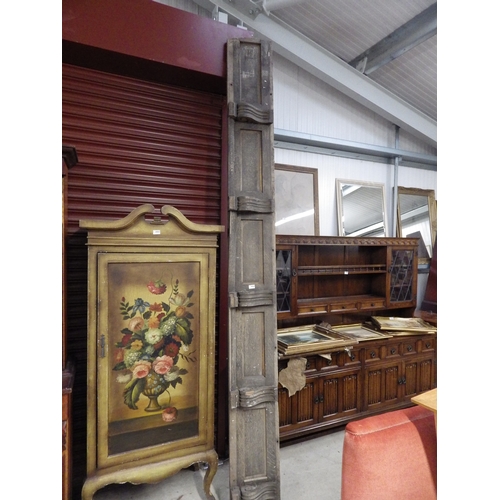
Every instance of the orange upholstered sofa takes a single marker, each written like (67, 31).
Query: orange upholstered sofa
(392, 456)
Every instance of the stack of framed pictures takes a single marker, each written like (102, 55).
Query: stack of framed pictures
(310, 339)
(402, 326)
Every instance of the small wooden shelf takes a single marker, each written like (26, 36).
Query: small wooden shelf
(342, 270)
(318, 275)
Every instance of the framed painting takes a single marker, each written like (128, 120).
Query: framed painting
(154, 310)
(394, 324)
(360, 332)
(310, 338)
(296, 200)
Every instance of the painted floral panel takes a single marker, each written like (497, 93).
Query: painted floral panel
(154, 341)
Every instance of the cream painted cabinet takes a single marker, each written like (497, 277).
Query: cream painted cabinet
(151, 321)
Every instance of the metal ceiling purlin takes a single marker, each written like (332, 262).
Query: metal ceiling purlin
(332, 70)
(309, 143)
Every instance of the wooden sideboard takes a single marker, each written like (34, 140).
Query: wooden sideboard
(345, 280)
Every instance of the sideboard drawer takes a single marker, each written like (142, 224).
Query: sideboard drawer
(372, 303)
(373, 354)
(410, 347)
(429, 344)
(336, 307)
(312, 309)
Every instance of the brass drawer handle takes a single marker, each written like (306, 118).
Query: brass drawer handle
(393, 351)
(409, 348)
(428, 345)
(372, 354)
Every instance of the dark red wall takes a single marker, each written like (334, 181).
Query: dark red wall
(142, 36)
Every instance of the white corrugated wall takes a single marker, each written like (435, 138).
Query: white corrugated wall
(303, 103)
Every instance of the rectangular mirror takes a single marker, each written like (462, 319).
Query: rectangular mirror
(417, 219)
(296, 200)
(361, 208)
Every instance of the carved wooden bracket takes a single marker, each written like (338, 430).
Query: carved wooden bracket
(251, 204)
(254, 298)
(257, 491)
(253, 113)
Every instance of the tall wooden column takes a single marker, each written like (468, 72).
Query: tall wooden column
(253, 373)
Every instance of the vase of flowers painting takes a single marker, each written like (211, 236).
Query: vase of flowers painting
(156, 334)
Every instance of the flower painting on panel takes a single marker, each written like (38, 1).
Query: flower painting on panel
(153, 319)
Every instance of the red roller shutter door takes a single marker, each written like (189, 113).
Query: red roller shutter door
(137, 142)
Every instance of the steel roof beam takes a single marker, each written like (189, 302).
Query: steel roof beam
(417, 30)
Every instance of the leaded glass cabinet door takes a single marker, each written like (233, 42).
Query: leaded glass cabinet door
(402, 276)
(285, 282)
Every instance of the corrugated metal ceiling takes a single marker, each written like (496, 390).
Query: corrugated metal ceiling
(404, 30)
(348, 28)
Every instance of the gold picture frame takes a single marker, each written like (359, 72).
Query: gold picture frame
(296, 200)
(309, 339)
(360, 332)
(394, 324)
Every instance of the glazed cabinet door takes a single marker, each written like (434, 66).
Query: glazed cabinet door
(402, 276)
(286, 281)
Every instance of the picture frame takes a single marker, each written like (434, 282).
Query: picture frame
(309, 339)
(296, 200)
(393, 324)
(360, 332)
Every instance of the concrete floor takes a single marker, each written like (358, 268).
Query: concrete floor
(311, 469)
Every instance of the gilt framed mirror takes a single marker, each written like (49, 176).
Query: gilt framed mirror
(296, 200)
(361, 208)
(417, 219)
